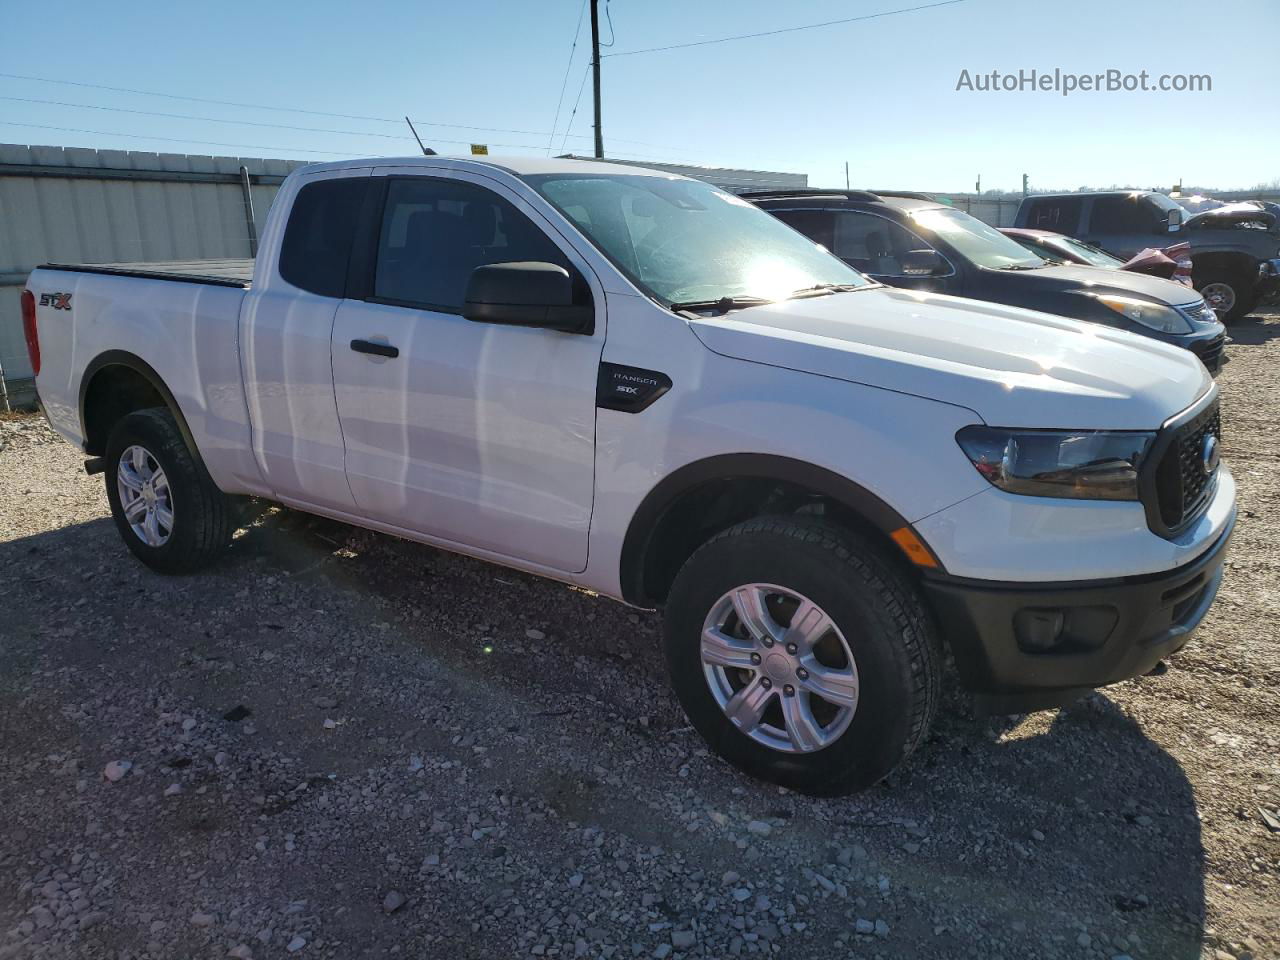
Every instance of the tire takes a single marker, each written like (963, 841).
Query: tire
(200, 517)
(882, 708)
(1230, 293)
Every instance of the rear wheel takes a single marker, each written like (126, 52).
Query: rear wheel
(802, 655)
(164, 503)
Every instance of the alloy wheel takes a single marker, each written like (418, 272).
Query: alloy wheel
(145, 497)
(779, 668)
(1220, 296)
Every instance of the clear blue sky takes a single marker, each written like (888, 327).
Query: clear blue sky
(880, 94)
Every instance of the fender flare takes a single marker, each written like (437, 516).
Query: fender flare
(648, 516)
(122, 358)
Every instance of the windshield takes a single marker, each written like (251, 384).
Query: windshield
(1098, 258)
(684, 240)
(984, 245)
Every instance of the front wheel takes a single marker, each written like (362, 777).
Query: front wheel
(166, 506)
(802, 655)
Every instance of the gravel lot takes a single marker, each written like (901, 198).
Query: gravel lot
(338, 744)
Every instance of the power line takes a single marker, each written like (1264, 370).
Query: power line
(582, 86)
(224, 103)
(565, 82)
(187, 116)
(313, 113)
(771, 33)
(255, 146)
(139, 136)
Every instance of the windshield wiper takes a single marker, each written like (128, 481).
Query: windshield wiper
(823, 289)
(1024, 266)
(722, 305)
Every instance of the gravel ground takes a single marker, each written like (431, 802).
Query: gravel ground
(338, 744)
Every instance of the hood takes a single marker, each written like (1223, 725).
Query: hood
(1232, 214)
(1012, 367)
(1122, 282)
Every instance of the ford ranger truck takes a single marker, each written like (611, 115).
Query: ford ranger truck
(644, 386)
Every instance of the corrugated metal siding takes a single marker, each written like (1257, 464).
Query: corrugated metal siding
(105, 218)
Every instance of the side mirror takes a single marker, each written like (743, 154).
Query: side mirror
(922, 263)
(1174, 221)
(526, 294)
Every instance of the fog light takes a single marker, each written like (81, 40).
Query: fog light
(1038, 630)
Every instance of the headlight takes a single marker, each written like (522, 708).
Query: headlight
(1082, 465)
(1155, 316)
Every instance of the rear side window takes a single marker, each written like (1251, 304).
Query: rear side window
(1122, 215)
(435, 232)
(1061, 215)
(318, 236)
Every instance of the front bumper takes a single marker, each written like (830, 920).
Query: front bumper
(1208, 343)
(1268, 277)
(1031, 646)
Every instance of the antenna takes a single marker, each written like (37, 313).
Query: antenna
(426, 151)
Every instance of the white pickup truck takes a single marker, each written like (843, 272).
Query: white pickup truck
(642, 385)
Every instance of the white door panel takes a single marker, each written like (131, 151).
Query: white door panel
(476, 433)
(289, 387)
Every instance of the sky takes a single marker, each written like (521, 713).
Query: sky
(879, 94)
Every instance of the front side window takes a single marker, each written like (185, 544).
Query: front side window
(1113, 215)
(435, 232)
(980, 243)
(683, 240)
(873, 244)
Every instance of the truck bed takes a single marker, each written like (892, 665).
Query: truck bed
(222, 273)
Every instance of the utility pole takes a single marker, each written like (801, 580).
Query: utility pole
(846, 174)
(595, 70)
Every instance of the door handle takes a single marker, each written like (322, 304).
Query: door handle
(377, 349)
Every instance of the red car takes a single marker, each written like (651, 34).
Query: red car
(1173, 263)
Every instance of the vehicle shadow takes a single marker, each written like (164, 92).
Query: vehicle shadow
(1039, 831)
(1257, 328)
(1079, 796)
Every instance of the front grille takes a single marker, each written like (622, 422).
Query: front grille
(1199, 311)
(1210, 352)
(1182, 486)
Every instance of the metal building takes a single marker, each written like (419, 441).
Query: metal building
(76, 205)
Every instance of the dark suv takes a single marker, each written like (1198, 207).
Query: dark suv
(907, 240)
(1234, 247)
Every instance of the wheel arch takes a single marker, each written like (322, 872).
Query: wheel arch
(1222, 260)
(707, 496)
(137, 387)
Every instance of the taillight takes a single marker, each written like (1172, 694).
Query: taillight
(30, 331)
